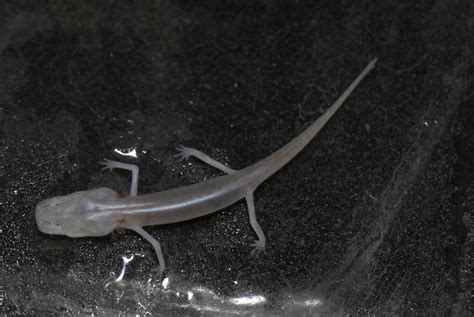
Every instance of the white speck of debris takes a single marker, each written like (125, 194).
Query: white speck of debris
(126, 260)
(190, 295)
(165, 283)
(132, 153)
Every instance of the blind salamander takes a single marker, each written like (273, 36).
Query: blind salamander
(99, 211)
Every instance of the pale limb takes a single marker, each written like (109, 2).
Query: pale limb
(110, 165)
(155, 243)
(186, 152)
(259, 245)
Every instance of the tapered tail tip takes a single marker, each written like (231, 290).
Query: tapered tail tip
(372, 63)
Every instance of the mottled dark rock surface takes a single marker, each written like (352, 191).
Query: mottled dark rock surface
(373, 217)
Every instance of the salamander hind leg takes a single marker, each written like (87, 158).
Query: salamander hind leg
(259, 245)
(186, 152)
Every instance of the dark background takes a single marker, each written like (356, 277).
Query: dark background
(373, 217)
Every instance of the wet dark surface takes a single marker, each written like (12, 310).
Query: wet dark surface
(373, 217)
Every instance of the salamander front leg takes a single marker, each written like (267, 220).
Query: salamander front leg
(186, 152)
(259, 245)
(110, 165)
(156, 245)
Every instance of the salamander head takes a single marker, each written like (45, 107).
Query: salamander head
(70, 215)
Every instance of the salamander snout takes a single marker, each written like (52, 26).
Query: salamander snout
(70, 215)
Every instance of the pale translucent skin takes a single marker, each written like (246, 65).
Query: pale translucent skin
(97, 212)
